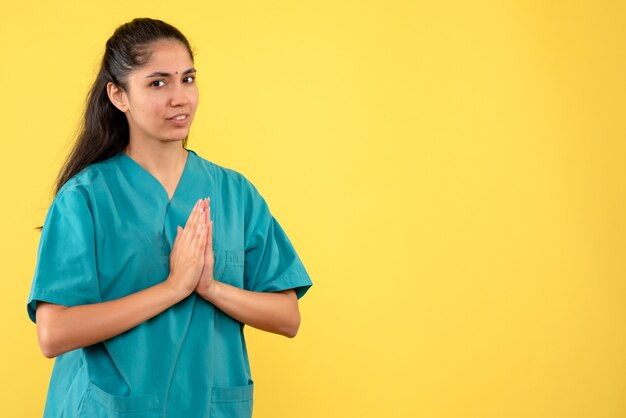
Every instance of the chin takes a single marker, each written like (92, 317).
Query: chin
(175, 139)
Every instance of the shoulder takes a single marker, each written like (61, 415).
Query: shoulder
(81, 185)
(226, 176)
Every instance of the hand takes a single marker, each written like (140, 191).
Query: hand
(187, 256)
(206, 276)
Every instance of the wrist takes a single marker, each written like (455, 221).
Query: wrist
(176, 292)
(210, 291)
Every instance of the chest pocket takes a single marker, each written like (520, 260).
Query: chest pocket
(229, 266)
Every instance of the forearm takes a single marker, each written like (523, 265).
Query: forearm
(273, 312)
(61, 329)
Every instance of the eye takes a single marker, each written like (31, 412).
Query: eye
(157, 81)
(191, 78)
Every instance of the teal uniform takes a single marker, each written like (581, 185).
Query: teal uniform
(109, 233)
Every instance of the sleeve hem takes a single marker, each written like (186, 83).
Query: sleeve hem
(300, 283)
(59, 297)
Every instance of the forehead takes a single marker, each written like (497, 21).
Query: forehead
(167, 56)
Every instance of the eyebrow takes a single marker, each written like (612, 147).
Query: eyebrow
(164, 74)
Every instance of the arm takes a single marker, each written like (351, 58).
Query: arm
(274, 312)
(61, 328)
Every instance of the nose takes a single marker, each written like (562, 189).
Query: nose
(179, 95)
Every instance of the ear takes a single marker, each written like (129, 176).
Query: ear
(118, 96)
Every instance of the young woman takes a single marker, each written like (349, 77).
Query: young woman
(152, 258)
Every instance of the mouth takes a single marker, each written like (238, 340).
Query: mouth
(182, 116)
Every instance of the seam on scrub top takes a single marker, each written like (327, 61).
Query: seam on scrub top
(167, 393)
(73, 380)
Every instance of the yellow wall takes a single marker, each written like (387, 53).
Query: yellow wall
(451, 173)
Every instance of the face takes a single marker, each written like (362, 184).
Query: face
(161, 98)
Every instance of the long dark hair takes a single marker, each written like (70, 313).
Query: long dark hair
(104, 129)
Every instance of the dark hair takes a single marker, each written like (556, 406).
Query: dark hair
(104, 132)
(104, 129)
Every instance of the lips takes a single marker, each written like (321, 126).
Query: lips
(180, 116)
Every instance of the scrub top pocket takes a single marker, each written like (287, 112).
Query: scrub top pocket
(233, 271)
(97, 403)
(229, 266)
(232, 402)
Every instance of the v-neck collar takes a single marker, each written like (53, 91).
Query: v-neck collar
(190, 155)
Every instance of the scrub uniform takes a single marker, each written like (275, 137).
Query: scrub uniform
(109, 233)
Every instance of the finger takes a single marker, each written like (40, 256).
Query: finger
(208, 248)
(202, 240)
(204, 207)
(198, 234)
(193, 211)
(208, 215)
(177, 238)
(189, 225)
(192, 223)
(207, 208)
(209, 238)
(209, 225)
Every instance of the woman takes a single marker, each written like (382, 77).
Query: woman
(145, 317)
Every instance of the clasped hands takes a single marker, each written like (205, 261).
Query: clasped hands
(192, 258)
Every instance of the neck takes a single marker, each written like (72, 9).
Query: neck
(162, 159)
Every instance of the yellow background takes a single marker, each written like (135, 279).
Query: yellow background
(451, 173)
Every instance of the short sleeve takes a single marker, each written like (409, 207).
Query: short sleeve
(271, 262)
(65, 272)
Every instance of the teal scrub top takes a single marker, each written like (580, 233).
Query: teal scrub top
(109, 233)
